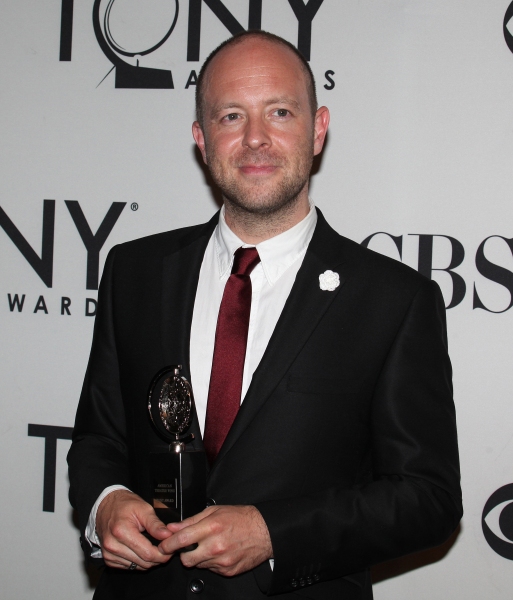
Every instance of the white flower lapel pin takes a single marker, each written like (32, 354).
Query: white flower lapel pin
(329, 281)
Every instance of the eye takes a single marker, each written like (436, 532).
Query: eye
(281, 112)
(231, 117)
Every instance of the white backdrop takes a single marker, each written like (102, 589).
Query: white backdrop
(421, 142)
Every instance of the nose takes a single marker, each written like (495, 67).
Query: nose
(256, 134)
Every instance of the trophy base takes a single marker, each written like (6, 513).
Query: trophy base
(179, 484)
(179, 487)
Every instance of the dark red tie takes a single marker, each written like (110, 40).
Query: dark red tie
(229, 352)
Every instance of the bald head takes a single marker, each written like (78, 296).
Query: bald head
(243, 39)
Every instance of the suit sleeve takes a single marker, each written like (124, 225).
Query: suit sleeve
(413, 500)
(98, 456)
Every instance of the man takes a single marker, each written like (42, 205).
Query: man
(343, 452)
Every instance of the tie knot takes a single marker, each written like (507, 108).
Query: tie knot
(244, 261)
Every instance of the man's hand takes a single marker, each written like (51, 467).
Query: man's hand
(231, 539)
(120, 519)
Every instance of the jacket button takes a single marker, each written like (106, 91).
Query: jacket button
(210, 502)
(196, 586)
(293, 583)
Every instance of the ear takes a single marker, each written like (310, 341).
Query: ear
(321, 122)
(199, 138)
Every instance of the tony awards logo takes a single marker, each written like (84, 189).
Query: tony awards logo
(132, 34)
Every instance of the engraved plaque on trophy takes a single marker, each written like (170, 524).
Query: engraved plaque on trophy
(178, 471)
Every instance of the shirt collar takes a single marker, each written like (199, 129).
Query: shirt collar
(276, 254)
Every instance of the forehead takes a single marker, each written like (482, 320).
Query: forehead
(255, 67)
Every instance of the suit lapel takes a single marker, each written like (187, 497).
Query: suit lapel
(304, 308)
(180, 274)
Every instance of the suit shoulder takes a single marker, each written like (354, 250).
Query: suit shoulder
(383, 266)
(377, 269)
(160, 244)
(386, 278)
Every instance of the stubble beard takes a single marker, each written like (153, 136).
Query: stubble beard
(262, 205)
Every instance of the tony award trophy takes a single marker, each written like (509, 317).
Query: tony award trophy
(178, 472)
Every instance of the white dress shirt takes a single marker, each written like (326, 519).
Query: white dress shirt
(271, 280)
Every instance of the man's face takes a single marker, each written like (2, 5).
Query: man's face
(259, 135)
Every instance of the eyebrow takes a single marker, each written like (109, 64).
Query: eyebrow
(284, 100)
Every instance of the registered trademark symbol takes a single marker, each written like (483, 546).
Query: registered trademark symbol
(134, 206)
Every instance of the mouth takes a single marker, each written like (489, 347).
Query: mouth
(258, 169)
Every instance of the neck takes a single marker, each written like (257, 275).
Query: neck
(253, 228)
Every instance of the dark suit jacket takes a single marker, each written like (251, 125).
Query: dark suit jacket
(345, 442)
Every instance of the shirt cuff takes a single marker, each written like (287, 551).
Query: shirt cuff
(90, 531)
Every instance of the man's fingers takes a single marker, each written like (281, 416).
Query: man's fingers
(231, 540)
(174, 527)
(134, 547)
(200, 557)
(121, 557)
(132, 544)
(155, 527)
(181, 539)
(119, 563)
(137, 548)
(120, 521)
(189, 536)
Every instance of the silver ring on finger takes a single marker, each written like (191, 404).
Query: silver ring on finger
(132, 567)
